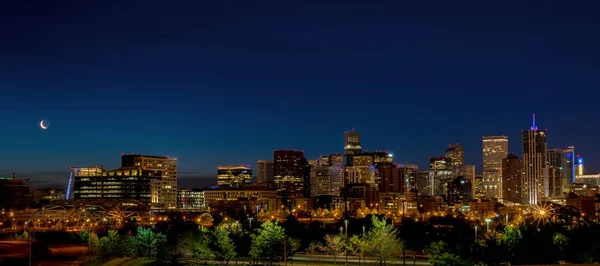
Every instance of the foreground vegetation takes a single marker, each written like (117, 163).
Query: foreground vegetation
(443, 240)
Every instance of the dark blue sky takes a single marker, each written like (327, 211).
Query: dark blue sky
(218, 82)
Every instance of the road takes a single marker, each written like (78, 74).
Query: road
(341, 260)
(16, 252)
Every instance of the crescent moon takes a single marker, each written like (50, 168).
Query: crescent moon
(42, 125)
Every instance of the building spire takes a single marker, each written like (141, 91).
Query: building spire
(533, 127)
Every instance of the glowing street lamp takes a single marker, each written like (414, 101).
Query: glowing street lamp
(487, 221)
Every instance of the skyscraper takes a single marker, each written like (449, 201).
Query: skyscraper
(265, 173)
(495, 148)
(560, 170)
(351, 145)
(362, 170)
(440, 173)
(289, 171)
(534, 164)
(511, 179)
(469, 174)
(456, 154)
(325, 176)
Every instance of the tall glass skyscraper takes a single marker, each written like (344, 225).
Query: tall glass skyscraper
(535, 185)
(495, 149)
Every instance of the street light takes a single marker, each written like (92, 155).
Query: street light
(346, 225)
(475, 233)
(487, 221)
(250, 223)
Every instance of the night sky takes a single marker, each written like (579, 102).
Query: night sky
(218, 82)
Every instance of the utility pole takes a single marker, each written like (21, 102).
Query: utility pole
(403, 224)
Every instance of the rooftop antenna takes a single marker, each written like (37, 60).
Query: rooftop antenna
(533, 127)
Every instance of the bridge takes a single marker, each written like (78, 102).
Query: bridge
(94, 214)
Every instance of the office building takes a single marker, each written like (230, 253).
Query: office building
(456, 154)
(440, 173)
(588, 179)
(362, 170)
(352, 143)
(410, 178)
(122, 183)
(265, 172)
(459, 190)
(326, 176)
(14, 194)
(534, 185)
(560, 170)
(469, 172)
(213, 196)
(161, 168)
(511, 179)
(391, 178)
(234, 176)
(422, 182)
(495, 149)
(150, 179)
(579, 170)
(289, 170)
(190, 199)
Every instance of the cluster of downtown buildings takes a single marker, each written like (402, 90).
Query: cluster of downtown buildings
(357, 180)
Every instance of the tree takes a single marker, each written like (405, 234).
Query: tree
(84, 236)
(313, 249)
(110, 245)
(128, 246)
(222, 246)
(334, 245)
(439, 256)
(268, 244)
(147, 242)
(94, 243)
(384, 240)
(358, 246)
(561, 241)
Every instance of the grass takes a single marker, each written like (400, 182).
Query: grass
(127, 262)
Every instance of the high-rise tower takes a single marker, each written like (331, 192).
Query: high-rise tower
(495, 148)
(511, 179)
(265, 172)
(534, 164)
(456, 154)
(351, 145)
(288, 169)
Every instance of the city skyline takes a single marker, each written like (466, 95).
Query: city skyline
(236, 82)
